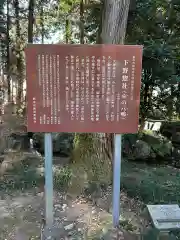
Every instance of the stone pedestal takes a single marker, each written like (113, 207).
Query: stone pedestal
(166, 219)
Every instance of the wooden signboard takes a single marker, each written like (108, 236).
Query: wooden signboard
(83, 88)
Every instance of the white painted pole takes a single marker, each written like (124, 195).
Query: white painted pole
(48, 179)
(116, 178)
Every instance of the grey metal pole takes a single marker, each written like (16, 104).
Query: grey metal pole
(48, 179)
(116, 179)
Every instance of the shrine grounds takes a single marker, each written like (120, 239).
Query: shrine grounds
(22, 201)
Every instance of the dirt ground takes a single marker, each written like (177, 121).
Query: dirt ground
(22, 215)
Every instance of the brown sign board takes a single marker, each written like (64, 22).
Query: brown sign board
(83, 88)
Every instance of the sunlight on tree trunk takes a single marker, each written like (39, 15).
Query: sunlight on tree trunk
(42, 22)
(82, 21)
(68, 30)
(94, 152)
(20, 73)
(8, 55)
(30, 21)
(114, 21)
(170, 103)
(177, 102)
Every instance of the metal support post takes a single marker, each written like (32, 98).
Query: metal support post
(116, 179)
(48, 180)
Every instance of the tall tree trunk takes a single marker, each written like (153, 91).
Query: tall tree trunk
(8, 55)
(67, 30)
(170, 103)
(18, 32)
(114, 23)
(177, 102)
(145, 106)
(31, 21)
(96, 150)
(81, 26)
(42, 22)
(18, 54)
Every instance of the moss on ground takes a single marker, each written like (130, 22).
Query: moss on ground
(151, 184)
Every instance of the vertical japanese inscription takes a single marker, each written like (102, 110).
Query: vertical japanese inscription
(77, 93)
(87, 80)
(72, 89)
(34, 110)
(51, 101)
(82, 90)
(47, 83)
(113, 86)
(41, 74)
(125, 91)
(58, 90)
(108, 88)
(132, 77)
(103, 76)
(67, 84)
(91, 79)
(93, 88)
(55, 95)
(39, 69)
(98, 86)
(43, 79)
(48, 79)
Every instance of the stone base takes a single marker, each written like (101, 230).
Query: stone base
(51, 234)
(165, 217)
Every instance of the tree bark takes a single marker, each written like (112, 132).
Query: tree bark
(68, 30)
(145, 105)
(18, 53)
(16, 5)
(8, 50)
(96, 150)
(82, 22)
(114, 21)
(170, 103)
(30, 21)
(177, 102)
(42, 22)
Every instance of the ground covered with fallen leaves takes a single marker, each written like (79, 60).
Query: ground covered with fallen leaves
(22, 213)
(22, 218)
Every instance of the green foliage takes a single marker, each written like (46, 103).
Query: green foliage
(155, 25)
(127, 225)
(147, 132)
(128, 141)
(62, 178)
(22, 176)
(87, 141)
(2, 30)
(158, 184)
(66, 5)
(147, 146)
(93, 23)
(2, 3)
(26, 175)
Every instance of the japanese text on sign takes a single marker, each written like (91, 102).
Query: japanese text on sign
(83, 88)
